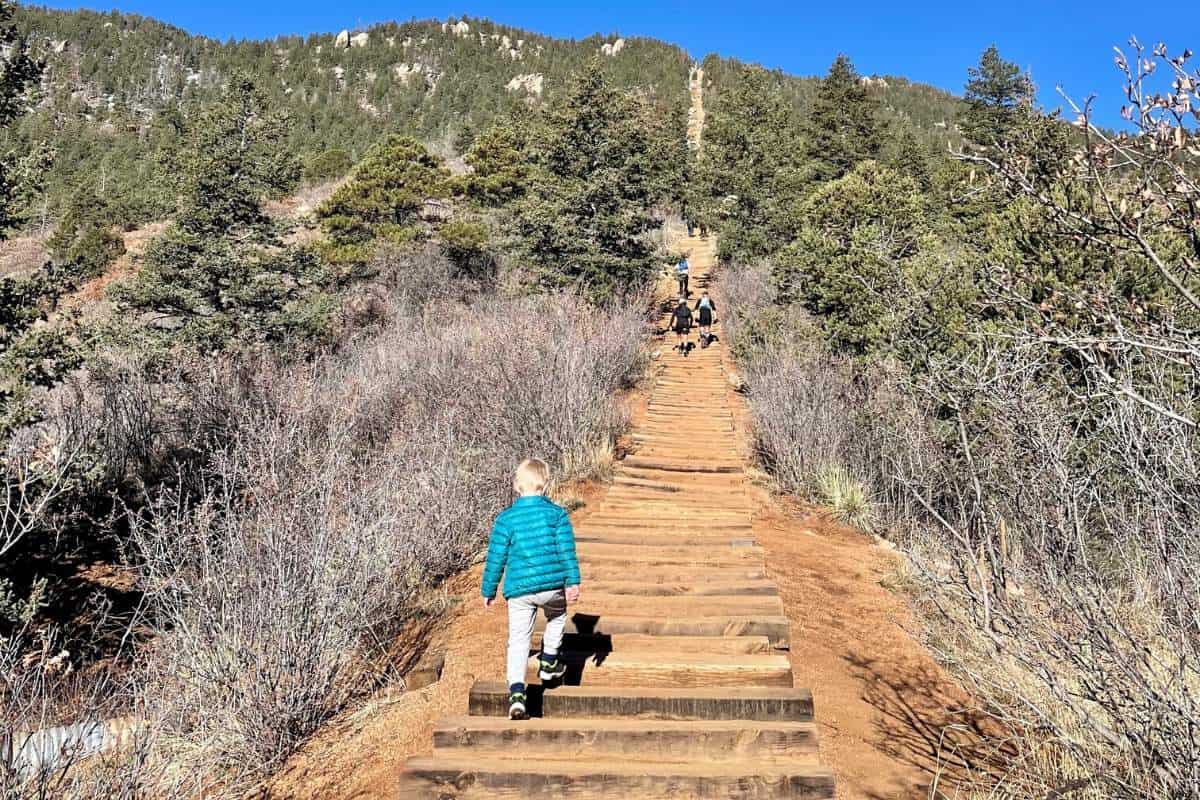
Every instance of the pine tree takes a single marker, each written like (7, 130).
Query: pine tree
(996, 92)
(843, 123)
(586, 214)
(499, 162)
(382, 199)
(220, 275)
(28, 357)
(84, 242)
(19, 71)
(747, 173)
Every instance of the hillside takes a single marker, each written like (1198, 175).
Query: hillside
(116, 83)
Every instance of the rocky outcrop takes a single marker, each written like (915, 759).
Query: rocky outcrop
(613, 48)
(342, 40)
(460, 28)
(531, 83)
(878, 83)
(405, 72)
(360, 39)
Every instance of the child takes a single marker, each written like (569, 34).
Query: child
(532, 542)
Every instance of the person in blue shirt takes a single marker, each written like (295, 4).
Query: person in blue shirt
(533, 546)
(681, 272)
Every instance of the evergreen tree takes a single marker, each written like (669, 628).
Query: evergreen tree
(19, 72)
(28, 357)
(995, 93)
(747, 172)
(233, 157)
(84, 242)
(843, 123)
(220, 274)
(866, 242)
(499, 162)
(382, 200)
(586, 214)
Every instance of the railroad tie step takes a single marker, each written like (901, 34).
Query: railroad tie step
(626, 739)
(777, 629)
(669, 669)
(468, 777)
(763, 703)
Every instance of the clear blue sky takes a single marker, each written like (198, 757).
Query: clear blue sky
(1061, 42)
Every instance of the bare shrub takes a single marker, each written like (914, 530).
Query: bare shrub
(1054, 534)
(347, 487)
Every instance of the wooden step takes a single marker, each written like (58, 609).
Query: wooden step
(663, 527)
(666, 555)
(764, 703)
(672, 465)
(635, 538)
(668, 669)
(668, 573)
(594, 602)
(777, 629)
(718, 480)
(625, 739)
(633, 586)
(467, 777)
(638, 643)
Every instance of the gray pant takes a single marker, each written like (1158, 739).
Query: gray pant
(522, 611)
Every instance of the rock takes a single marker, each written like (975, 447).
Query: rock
(506, 43)
(614, 48)
(531, 83)
(870, 81)
(460, 28)
(58, 46)
(427, 671)
(342, 40)
(360, 39)
(404, 72)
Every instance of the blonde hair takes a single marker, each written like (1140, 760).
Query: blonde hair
(533, 477)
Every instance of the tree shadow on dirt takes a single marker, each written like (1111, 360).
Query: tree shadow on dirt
(930, 725)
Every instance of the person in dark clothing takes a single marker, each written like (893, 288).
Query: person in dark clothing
(705, 307)
(681, 323)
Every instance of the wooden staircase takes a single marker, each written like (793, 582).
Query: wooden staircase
(676, 687)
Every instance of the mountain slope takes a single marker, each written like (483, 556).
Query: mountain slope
(116, 85)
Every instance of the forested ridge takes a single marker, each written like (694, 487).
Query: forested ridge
(115, 86)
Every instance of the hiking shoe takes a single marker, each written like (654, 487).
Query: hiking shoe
(551, 669)
(516, 706)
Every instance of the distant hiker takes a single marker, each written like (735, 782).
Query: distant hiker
(681, 272)
(691, 226)
(681, 323)
(533, 544)
(705, 307)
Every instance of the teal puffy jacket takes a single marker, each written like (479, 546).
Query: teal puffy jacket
(533, 543)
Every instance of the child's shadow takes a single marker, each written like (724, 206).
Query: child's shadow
(580, 651)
